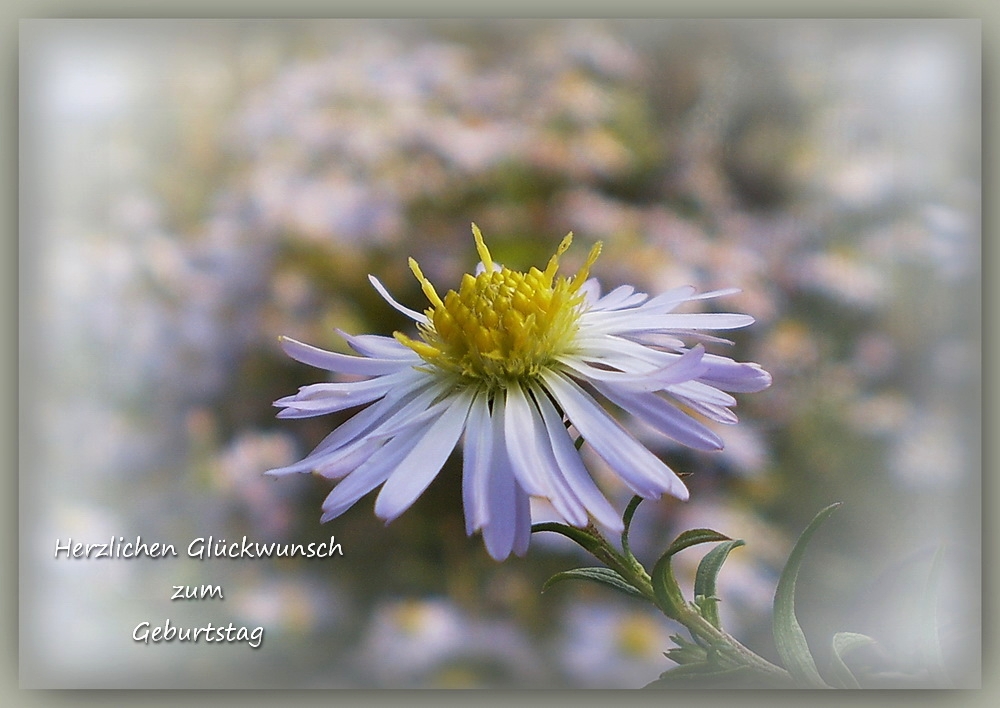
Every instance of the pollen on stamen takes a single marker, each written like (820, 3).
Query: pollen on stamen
(484, 253)
(425, 284)
(501, 325)
(553, 266)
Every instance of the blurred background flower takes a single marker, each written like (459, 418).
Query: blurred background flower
(194, 189)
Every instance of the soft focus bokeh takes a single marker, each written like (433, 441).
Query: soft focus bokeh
(192, 190)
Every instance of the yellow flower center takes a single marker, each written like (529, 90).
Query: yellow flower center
(501, 325)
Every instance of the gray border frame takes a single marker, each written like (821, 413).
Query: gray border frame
(19, 9)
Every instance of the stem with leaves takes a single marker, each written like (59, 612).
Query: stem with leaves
(712, 655)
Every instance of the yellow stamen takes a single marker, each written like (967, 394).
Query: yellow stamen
(584, 272)
(553, 266)
(501, 325)
(484, 253)
(425, 350)
(426, 285)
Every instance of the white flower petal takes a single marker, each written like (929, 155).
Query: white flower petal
(339, 452)
(532, 457)
(519, 434)
(626, 353)
(730, 375)
(703, 393)
(666, 418)
(310, 409)
(712, 411)
(522, 521)
(340, 463)
(420, 466)
(571, 466)
(476, 460)
(315, 393)
(412, 314)
(344, 363)
(377, 346)
(683, 368)
(591, 290)
(409, 415)
(419, 394)
(541, 457)
(668, 300)
(714, 294)
(499, 531)
(641, 470)
(677, 321)
(665, 302)
(369, 475)
(620, 322)
(509, 526)
(662, 340)
(338, 456)
(619, 298)
(319, 399)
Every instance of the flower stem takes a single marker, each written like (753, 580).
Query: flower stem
(626, 565)
(700, 628)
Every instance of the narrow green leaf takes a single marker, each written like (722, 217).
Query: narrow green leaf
(707, 606)
(627, 522)
(843, 644)
(693, 538)
(788, 636)
(589, 542)
(665, 588)
(930, 638)
(686, 652)
(708, 572)
(605, 576)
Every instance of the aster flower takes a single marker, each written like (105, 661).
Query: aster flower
(512, 361)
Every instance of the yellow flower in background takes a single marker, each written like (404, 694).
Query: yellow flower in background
(511, 362)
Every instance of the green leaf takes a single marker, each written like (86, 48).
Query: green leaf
(708, 572)
(788, 636)
(605, 576)
(589, 542)
(627, 522)
(665, 588)
(930, 644)
(693, 538)
(843, 644)
(686, 652)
